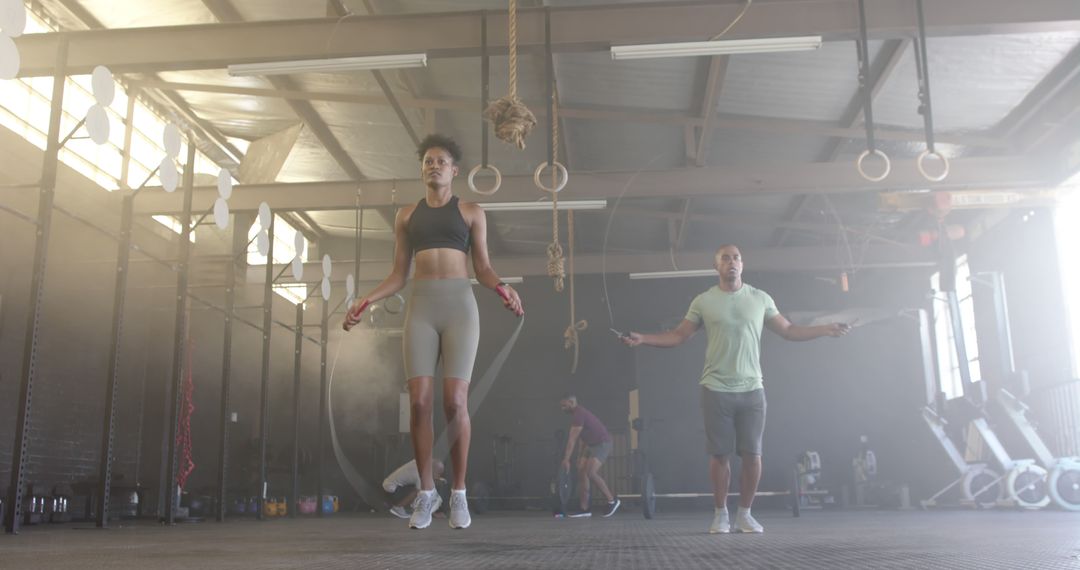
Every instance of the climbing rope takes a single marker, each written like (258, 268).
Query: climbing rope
(512, 119)
(555, 265)
(183, 436)
(570, 335)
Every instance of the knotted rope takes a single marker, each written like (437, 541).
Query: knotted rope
(512, 119)
(570, 335)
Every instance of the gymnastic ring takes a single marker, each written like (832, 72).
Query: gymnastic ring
(373, 316)
(922, 168)
(558, 168)
(472, 176)
(875, 152)
(400, 305)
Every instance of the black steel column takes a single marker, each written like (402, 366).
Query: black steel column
(295, 499)
(179, 337)
(119, 296)
(322, 399)
(264, 406)
(239, 246)
(20, 450)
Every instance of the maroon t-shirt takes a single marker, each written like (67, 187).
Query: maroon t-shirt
(593, 431)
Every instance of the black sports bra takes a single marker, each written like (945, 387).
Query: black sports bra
(431, 228)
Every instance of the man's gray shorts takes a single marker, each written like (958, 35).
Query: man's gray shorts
(600, 451)
(734, 421)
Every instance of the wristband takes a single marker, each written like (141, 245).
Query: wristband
(501, 290)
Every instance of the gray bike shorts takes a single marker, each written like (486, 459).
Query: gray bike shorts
(441, 322)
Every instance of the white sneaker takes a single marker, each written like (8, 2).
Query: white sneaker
(426, 503)
(459, 510)
(746, 523)
(720, 522)
(399, 512)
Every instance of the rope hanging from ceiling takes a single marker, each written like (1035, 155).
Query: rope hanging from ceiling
(512, 119)
(571, 337)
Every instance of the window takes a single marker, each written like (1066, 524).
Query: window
(284, 252)
(25, 110)
(947, 359)
(1067, 225)
(173, 223)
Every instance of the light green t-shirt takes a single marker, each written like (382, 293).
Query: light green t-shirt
(733, 323)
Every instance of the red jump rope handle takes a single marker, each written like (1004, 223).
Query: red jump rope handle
(501, 290)
(355, 314)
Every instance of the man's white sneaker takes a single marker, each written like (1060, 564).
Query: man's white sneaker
(426, 503)
(721, 524)
(459, 510)
(744, 522)
(399, 512)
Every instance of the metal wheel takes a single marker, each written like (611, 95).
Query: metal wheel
(648, 496)
(562, 490)
(1064, 484)
(980, 487)
(1027, 485)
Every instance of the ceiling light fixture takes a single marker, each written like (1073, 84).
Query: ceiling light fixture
(670, 274)
(545, 205)
(507, 280)
(726, 47)
(330, 65)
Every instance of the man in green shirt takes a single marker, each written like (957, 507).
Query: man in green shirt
(733, 398)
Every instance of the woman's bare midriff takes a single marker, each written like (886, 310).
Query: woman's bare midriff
(440, 263)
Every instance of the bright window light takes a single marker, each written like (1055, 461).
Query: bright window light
(173, 223)
(284, 243)
(948, 361)
(295, 293)
(1067, 225)
(25, 110)
(284, 252)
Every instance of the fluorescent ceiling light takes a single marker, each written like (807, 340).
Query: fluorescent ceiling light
(507, 280)
(668, 274)
(330, 65)
(545, 205)
(726, 47)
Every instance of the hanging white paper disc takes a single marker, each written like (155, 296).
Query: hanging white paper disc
(263, 242)
(171, 138)
(221, 213)
(9, 58)
(168, 175)
(326, 289)
(103, 85)
(264, 215)
(97, 124)
(224, 184)
(12, 18)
